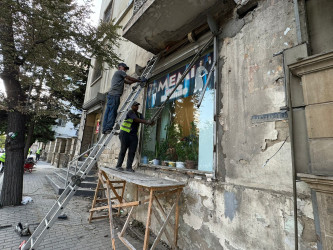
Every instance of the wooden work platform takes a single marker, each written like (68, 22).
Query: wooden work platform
(141, 179)
(157, 188)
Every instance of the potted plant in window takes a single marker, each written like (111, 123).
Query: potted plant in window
(181, 153)
(192, 148)
(162, 151)
(173, 137)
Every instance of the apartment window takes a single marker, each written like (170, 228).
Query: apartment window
(108, 13)
(97, 71)
(183, 136)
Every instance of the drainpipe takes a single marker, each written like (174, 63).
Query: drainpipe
(294, 175)
(298, 23)
(216, 77)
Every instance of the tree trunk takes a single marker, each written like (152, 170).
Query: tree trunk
(12, 187)
(29, 141)
(13, 173)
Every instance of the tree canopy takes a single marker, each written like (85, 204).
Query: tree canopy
(45, 51)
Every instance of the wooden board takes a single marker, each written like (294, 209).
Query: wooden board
(141, 179)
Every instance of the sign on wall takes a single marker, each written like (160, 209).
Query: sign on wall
(192, 84)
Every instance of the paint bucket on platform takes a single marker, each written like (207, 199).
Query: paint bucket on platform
(172, 164)
(180, 164)
(144, 160)
(156, 162)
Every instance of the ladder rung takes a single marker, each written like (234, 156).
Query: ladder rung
(59, 204)
(32, 242)
(46, 222)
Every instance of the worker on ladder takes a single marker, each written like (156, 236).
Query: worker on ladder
(117, 87)
(129, 136)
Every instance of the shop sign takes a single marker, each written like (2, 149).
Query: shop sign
(192, 84)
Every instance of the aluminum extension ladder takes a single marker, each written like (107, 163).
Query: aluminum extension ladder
(51, 217)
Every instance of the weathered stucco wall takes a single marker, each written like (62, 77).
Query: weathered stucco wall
(252, 208)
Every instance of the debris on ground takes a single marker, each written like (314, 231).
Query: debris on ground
(23, 230)
(5, 226)
(62, 217)
(26, 200)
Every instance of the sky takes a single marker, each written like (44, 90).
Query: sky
(93, 20)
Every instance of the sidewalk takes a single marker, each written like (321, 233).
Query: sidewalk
(73, 233)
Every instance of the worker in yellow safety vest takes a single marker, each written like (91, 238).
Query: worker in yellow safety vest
(129, 136)
(2, 161)
(38, 154)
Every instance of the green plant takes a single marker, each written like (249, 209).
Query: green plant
(162, 149)
(192, 144)
(181, 150)
(150, 154)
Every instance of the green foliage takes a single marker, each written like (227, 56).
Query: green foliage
(2, 140)
(162, 150)
(187, 148)
(43, 44)
(43, 130)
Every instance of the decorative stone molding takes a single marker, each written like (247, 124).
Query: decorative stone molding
(322, 184)
(312, 64)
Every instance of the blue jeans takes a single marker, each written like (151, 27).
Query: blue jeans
(111, 112)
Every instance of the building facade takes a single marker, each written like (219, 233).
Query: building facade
(256, 154)
(60, 151)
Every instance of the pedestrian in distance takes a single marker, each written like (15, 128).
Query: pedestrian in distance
(128, 136)
(117, 87)
(38, 151)
(2, 162)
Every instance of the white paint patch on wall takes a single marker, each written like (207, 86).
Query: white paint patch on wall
(193, 221)
(286, 31)
(204, 192)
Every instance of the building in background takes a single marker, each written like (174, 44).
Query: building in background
(265, 119)
(62, 149)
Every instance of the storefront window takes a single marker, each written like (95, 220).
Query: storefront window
(183, 135)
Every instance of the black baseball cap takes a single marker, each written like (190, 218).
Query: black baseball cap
(123, 65)
(135, 104)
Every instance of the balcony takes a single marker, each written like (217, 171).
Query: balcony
(157, 24)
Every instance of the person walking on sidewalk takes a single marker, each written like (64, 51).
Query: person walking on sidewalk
(38, 154)
(117, 87)
(129, 136)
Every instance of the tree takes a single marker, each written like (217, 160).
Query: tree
(43, 43)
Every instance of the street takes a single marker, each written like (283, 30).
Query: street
(73, 233)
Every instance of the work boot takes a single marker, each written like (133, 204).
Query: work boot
(130, 170)
(106, 132)
(120, 169)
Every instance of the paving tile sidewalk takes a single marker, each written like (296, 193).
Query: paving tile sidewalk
(73, 233)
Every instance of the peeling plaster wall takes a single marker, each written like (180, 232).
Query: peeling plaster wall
(252, 208)
(252, 83)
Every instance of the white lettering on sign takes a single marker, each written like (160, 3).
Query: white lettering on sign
(172, 80)
(162, 86)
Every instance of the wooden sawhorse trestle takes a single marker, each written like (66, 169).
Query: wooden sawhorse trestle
(157, 188)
